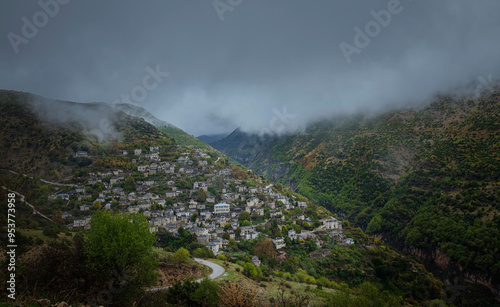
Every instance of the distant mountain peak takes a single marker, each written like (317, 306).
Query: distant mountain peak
(212, 138)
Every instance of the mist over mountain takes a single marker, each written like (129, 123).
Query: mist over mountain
(210, 70)
(347, 152)
(138, 111)
(209, 139)
(66, 179)
(425, 179)
(95, 118)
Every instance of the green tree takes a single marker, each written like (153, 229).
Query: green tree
(246, 223)
(181, 293)
(207, 293)
(129, 185)
(265, 248)
(222, 257)
(244, 215)
(119, 249)
(291, 264)
(203, 252)
(310, 245)
(51, 231)
(202, 195)
(181, 255)
(96, 206)
(194, 216)
(191, 293)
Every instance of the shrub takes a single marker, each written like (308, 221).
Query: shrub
(237, 294)
(222, 257)
(181, 255)
(51, 231)
(191, 293)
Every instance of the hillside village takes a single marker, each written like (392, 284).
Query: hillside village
(199, 204)
(194, 192)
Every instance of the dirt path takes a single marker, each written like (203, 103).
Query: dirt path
(27, 203)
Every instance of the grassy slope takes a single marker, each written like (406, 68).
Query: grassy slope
(183, 138)
(269, 290)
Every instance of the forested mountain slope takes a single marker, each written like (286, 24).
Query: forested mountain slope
(179, 135)
(426, 179)
(41, 136)
(84, 159)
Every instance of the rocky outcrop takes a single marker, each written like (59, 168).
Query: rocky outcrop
(437, 259)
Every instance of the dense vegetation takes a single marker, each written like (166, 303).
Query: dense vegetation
(425, 179)
(183, 138)
(41, 136)
(180, 136)
(102, 266)
(361, 179)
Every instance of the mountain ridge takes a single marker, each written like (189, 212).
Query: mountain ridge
(131, 158)
(425, 179)
(211, 138)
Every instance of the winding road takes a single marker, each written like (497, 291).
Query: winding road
(217, 271)
(42, 180)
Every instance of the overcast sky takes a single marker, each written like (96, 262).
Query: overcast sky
(246, 61)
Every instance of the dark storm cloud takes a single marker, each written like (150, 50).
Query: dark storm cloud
(263, 57)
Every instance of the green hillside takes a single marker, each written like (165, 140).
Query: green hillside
(184, 138)
(41, 136)
(39, 140)
(427, 180)
(179, 135)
